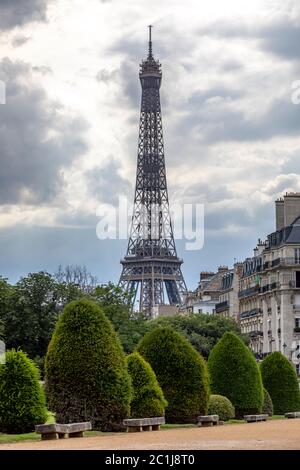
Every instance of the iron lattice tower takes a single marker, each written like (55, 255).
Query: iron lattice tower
(151, 261)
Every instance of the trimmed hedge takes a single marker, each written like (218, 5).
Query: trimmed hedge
(180, 371)
(219, 405)
(148, 399)
(280, 379)
(235, 374)
(22, 400)
(86, 372)
(267, 407)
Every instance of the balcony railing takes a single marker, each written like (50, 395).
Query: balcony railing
(248, 292)
(255, 333)
(251, 313)
(265, 288)
(297, 329)
(221, 306)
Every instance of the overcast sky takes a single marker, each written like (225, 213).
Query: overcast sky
(69, 128)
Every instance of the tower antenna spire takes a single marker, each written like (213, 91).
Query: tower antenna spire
(150, 41)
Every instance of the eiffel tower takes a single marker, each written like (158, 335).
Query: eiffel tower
(151, 269)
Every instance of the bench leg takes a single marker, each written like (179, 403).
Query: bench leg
(155, 427)
(63, 436)
(50, 437)
(215, 423)
(208, 424)
(147, 428)
(135, 429)
(76, 434)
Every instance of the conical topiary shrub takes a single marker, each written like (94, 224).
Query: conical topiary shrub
(267, 407)
(280, 379)
(86, 373)
(22, 400)
(235, 374)
(180, 371)
(148, 399)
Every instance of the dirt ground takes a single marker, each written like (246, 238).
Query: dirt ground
(278, 434)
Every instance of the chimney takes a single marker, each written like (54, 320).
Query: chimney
(205, 275)
(291, 207)
(279, 205)
(222, 269)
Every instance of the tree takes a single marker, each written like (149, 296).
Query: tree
(32, 314)
(148, 399)
(234, 374)
(221, 406)
(203, 331)
(22, 400)
(6, 292)
(76, 276)
(86, 373)
(115, 302)
(180, 371)
(280, 380)
(267, 404)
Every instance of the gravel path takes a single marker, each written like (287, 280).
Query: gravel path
(277, 434)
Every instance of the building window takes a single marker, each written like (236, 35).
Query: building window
(297, 278)
(297, 255)
(298, 368)
(297, 322)
(199, 310)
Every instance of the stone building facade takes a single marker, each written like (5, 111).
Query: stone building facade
(207, 294)
(263, 292)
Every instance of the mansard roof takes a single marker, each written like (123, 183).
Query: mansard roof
(288, 234)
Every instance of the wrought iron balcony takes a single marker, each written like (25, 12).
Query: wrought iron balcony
(221, 306)
(248, 292)
(251, 313)
(255, 333)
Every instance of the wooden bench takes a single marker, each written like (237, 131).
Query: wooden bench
(143, 424)
(62, 431)
(295, 414)
(208, 420)
(255, 418)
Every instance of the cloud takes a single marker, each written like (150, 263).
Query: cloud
(38, 139)
(19, 12)
(105, 184)
(277, 34)
(19, 40)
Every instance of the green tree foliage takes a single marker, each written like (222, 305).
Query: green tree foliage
(115, 302)
(267, 404)
(148, 399)
(280, 380)
(219, 405)
(33, 313)
(6, 292)
(31, 309)
(180, 371)
(86, 373)
(234, 374)
(203, 331)
(22, 400)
